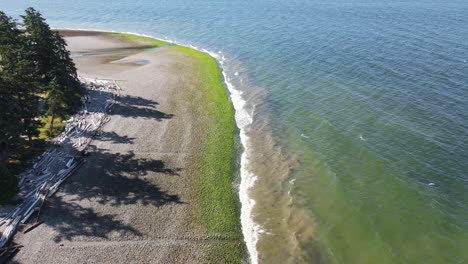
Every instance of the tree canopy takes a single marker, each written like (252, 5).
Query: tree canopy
(36, 70)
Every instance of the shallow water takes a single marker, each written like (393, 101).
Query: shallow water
(359, 138)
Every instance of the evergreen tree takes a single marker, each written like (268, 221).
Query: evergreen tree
(9, 41)
(39, 40)
(52, 57)
(64, 72)
(33, 63)
(56, 106)
(19, 75)
(10, 114)
(10, 125)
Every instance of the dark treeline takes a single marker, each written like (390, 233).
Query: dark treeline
(37, 79)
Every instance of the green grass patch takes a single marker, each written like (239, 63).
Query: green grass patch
(218, 206)
(45, 133)
(227, 252)
(139, 40)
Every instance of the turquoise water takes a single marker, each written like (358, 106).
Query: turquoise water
(369, 97)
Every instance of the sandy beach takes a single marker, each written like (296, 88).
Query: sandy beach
(136, 199)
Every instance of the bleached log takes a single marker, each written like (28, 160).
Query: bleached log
(9, 231)
(87, 126)
(10, 215)
(33, 204)
(31, 192)
(69, 163)
(28, 215)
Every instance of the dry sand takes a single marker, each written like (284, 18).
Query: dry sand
(132, 201)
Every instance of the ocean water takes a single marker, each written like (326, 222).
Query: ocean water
(354, 117)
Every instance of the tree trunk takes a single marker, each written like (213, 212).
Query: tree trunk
(51, 127)
(3, 157)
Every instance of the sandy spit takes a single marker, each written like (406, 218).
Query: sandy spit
(132, 201)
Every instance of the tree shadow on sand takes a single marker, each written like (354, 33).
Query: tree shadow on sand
(110, 179)
(71, 220)
(114, 138)
(137, 107)
(138, 101)
(121, 179)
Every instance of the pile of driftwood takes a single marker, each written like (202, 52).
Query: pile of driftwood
(59, 162)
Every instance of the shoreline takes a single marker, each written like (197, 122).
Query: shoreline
(216, 160)
(250, 229)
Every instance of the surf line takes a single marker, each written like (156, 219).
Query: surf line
(251, 230)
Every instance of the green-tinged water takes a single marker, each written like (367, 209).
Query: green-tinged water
(365, 212)
(384, 185)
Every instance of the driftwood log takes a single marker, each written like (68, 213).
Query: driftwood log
(56, 165)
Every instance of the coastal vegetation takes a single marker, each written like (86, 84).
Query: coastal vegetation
(218, 209)
(38, 82)
(141, 41)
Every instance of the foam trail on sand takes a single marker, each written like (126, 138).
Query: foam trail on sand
(250, 229)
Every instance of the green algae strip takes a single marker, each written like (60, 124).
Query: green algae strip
(216, 201)
(218, 206)
(136, 39)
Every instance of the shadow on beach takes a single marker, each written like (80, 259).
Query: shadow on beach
(136, 107)
(110, 179)
(133, 106)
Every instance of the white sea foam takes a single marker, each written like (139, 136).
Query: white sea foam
(250, 229)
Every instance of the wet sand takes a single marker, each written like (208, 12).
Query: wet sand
(133, 201)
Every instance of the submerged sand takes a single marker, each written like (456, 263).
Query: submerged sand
(133, 200)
